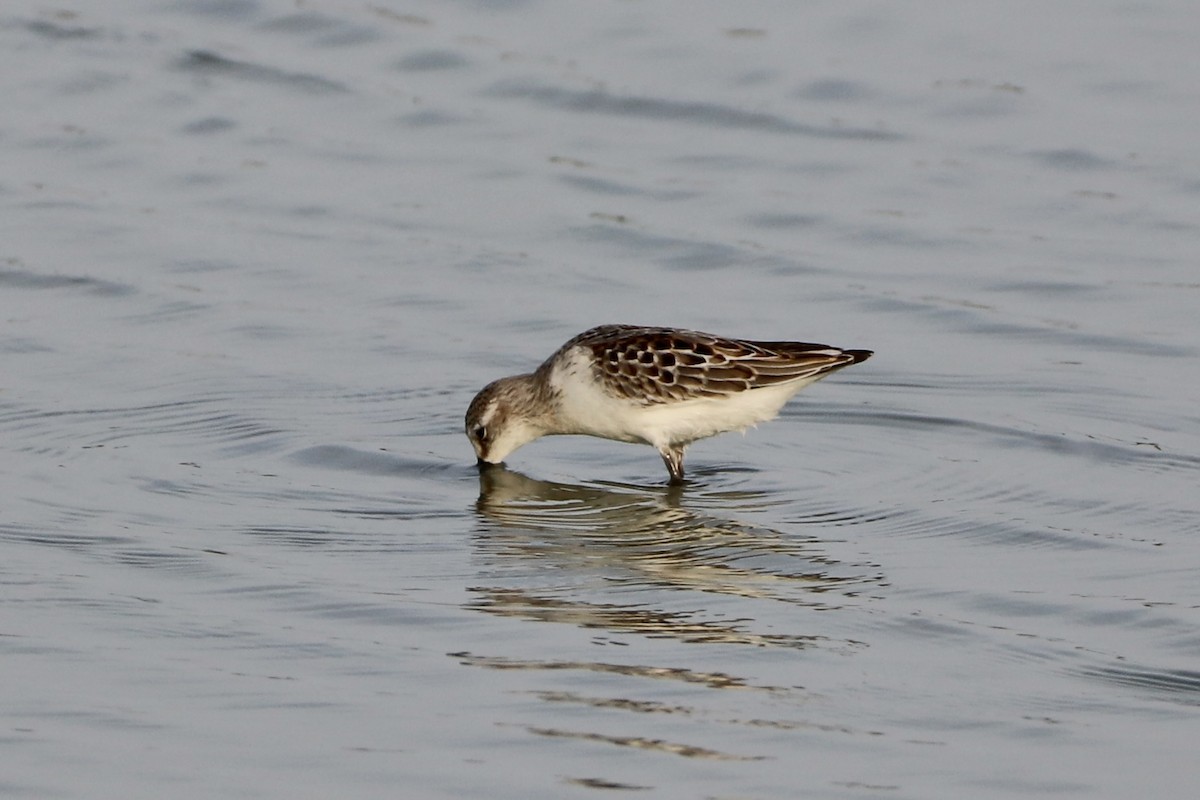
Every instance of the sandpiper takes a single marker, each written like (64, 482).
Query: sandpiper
(664, 387)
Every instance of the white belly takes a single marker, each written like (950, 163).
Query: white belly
(586, 408)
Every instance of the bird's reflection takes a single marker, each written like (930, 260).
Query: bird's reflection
(613, 557)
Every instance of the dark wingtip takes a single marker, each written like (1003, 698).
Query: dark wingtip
(859, 355)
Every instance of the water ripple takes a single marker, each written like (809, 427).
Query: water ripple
(1177, 685)
(25, 279)
(710, 680)
(72, 430)
(206, 62)
(598, 101)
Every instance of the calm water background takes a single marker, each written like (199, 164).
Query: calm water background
(256, 257)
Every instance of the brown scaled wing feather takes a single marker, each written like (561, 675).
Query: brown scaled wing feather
(667, 365)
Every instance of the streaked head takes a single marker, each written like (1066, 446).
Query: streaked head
(498, 419)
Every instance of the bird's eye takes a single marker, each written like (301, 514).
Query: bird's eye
(479, 432)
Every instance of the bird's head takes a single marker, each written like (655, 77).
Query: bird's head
(499, 420)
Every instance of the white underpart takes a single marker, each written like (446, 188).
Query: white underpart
(585, 407)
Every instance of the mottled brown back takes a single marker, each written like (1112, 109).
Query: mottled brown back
(667, 365)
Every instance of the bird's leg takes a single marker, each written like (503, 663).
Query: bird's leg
(673, 458)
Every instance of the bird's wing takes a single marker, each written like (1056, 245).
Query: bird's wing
(667, 365)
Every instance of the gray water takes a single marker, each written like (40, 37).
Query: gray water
(257, 257)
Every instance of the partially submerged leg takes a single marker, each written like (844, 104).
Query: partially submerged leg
(673, 458)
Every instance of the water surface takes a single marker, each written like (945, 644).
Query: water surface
(256, 258)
